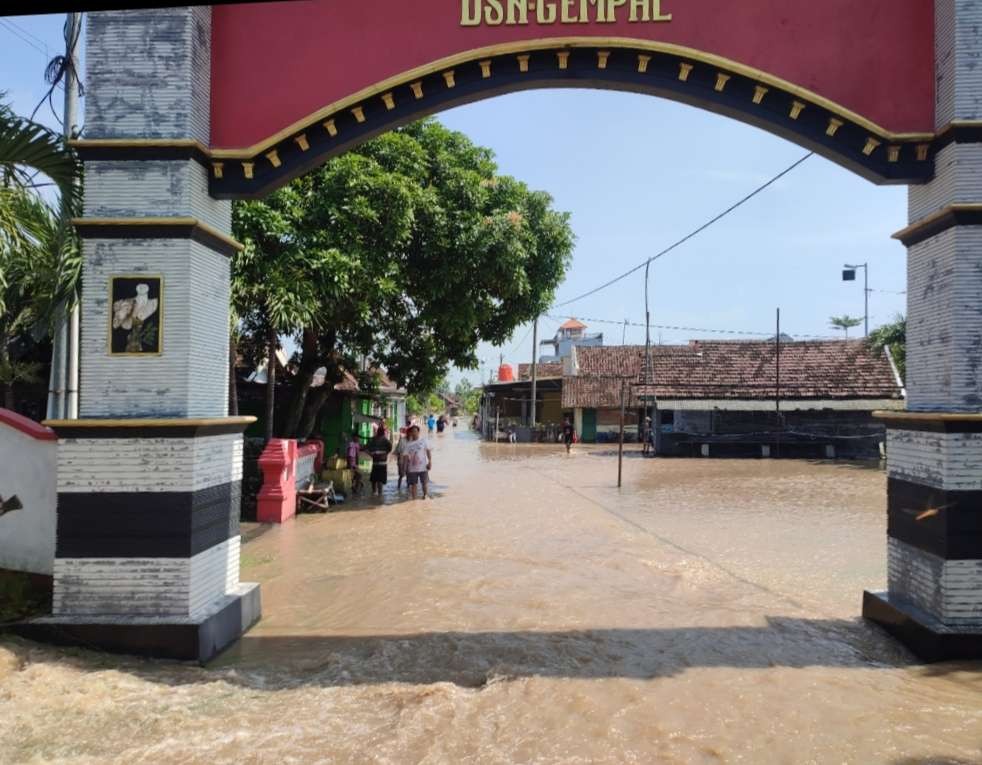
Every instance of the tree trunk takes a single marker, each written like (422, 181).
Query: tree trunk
(301, 382)
(233, 388)
(315, 402)
(9, 400)
(271, 340)
(312, 358)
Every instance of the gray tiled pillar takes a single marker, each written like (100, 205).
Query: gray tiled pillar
(147, 555)
(934, 597)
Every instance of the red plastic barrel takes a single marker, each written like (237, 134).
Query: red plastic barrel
(505, 373)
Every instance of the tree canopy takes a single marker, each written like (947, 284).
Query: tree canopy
(845, 323)
(894, 337)
(39, 256)
(405, 253)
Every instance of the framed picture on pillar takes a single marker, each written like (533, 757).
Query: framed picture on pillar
(136, 316)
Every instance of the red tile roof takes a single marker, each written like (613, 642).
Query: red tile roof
(733, 370)
(543, 371)
(573, 324)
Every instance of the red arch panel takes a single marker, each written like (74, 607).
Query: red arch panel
(275, 64)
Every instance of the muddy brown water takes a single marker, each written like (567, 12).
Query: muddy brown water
(708, 612)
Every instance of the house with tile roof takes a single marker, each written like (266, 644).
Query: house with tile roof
(738, 397)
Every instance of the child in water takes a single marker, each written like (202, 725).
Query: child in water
(353, 450)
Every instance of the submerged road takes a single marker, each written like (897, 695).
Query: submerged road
(708, 612)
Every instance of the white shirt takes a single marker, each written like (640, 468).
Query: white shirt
(416, 451)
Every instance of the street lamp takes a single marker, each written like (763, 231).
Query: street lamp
(849, 275)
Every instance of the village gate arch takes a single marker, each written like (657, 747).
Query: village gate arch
(190, 107)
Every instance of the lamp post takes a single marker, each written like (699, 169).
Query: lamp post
(849, 275)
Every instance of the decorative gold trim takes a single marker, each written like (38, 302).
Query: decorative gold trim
(151, 423)
(138, 143)
(160, 315)
(930, 220)
(211, 231)
(523, 62)
(449, 78)
(417, 88)
(389, 100)
(603, 56)
(685, 69)
(956, 124)
(671, 49)
(797, 107)
(249, 170)
(923, 416)
(332, 128)
(759, 92)
(562, 57)
(833, 128)
(893, 154)
(218, 168)
(274, 158)
(302, 142)
(923, 149)
(359, 114)
(485, 68)
(871, 145)
(721, 80)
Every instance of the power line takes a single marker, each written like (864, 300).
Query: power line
(677, 328)
(20, 34)
(521, 342)
(692, 234)
(58, 67)
(29, 33)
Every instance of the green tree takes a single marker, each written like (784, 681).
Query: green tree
(39, 256)
(894, 337)
(845, 323)
(39, 269)
(468, 396)
(275, 288)
(422, 251)
(27, 150)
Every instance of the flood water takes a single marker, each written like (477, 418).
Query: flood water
(708, 612)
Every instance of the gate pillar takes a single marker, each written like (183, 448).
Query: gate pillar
(147, 555)
(934, 449)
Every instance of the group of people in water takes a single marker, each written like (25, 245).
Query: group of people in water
(414, 458)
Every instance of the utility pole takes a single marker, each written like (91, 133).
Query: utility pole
(624, 334)
(63, 381)
(777, 380)
(649, 376)
(849, 275)
(620, 447)
(535, 350)
(74, 32)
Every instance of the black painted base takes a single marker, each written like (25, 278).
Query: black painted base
(924, 635)
(199, 639)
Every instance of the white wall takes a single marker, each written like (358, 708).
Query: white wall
(28, 469)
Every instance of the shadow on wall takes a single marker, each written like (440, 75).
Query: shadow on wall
(473, 660)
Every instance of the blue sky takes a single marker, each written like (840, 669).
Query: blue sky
(638, 173)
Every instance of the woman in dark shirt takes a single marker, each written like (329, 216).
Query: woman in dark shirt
(379, 447)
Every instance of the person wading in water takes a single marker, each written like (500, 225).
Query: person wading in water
(379, 447)
(420, 462)
(569, 432)
(402, 459)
